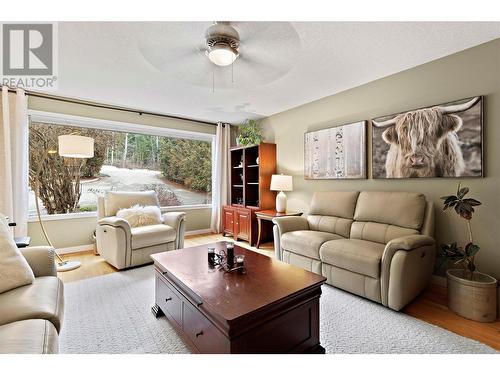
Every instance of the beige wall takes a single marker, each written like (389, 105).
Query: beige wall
(77, 232)
(468, 73)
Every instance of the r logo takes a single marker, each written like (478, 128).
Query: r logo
(27, 49)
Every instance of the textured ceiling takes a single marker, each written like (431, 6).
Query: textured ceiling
(160, 66)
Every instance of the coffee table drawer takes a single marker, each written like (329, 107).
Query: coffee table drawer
(202, 333)
(168, 300)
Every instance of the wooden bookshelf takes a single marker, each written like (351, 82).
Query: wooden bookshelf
(250, 180)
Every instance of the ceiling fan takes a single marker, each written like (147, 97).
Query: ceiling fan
(196, 52)
(222, 41)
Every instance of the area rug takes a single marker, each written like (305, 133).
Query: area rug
(112, 314)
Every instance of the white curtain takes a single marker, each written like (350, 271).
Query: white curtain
(14, 159)
(220, 175)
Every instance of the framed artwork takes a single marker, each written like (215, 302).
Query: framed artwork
(445, 140)
(336, 153)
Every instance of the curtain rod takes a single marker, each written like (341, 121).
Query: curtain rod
(105, 106)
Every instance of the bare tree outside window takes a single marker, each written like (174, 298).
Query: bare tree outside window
(179, 170)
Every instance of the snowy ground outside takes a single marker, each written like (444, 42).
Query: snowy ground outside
(123, 179)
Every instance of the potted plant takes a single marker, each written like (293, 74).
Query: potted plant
(249, 133)
(471, 294)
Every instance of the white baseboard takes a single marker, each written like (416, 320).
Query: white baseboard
(198, 231)
(438, 280)
(74, 249)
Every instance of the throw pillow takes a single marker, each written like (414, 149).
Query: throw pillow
(139, 216)
(14, 269)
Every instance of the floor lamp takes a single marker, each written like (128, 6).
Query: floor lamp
(74, 147)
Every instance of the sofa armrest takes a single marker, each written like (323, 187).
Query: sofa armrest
(290, 223)
(409, 242)
(174, 219)
(41, 260)
(115, 222)
(283, 225)
(419, 250)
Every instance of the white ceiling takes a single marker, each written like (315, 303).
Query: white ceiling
(158, 66)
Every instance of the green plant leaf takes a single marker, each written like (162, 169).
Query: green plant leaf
(471, 249)
(472, 202)
(461, 193)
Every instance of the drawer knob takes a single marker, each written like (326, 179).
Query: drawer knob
(168, 299)
(105, 231)
(199, 334)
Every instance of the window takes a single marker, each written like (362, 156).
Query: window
(179, 169)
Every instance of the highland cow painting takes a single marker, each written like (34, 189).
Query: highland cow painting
(336, 153)
(440, 141)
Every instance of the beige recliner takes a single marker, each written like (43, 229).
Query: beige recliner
(123, 246)
(31, 316)
(376, 244)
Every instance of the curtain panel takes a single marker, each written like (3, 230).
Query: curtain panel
(14, 158)
(220, 175)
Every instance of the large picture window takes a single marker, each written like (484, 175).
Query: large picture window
(178, 169)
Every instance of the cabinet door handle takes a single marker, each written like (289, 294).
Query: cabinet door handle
(199, 334)
(168, 299)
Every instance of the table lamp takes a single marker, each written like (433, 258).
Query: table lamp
(281, 183)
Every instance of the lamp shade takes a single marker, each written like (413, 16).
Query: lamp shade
(76, 146)
(280, 182)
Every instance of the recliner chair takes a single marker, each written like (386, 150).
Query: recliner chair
(123, 246)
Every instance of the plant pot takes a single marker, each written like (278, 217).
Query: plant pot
(474, 299)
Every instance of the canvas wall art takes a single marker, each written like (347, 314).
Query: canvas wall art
(336, 153)
(445, 140)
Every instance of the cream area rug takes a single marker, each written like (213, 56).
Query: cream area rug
(112, 314)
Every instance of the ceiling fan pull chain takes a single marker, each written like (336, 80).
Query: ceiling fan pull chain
(213, 81)
(232, 71)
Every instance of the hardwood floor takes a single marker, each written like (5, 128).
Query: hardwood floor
(430, 306)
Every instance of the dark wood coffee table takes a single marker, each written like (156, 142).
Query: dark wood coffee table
(273, 308)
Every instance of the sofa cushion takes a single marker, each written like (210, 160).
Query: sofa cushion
(152, 235)
(381, 233)
(14, 269)
(44, 299)
(402, 209)
(358, 256)
(334, 203)
(306, 242)
(330, 224)
(33, 336)
(116, 200)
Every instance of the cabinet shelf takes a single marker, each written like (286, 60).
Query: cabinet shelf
(253, 166)
(252, 183)
(238, 186)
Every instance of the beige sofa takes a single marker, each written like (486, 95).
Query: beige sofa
(378, 245)
(31, 316)
(123, 246)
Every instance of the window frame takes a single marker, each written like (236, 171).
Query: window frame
(96, 123)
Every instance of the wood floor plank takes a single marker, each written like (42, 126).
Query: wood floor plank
(430, 306)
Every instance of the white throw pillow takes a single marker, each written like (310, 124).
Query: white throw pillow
(140, 216)
(14, 269)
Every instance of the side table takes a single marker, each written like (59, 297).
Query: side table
(269, 215)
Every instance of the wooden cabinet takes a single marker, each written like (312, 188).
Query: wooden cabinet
(228, 220)
(240, 223)
(250, 179)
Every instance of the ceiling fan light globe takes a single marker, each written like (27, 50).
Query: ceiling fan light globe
(222, 55)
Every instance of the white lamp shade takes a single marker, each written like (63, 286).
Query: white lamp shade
(280, 182)
(222, 55)
(76, 146)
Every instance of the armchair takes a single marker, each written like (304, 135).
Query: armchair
(124, 246)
